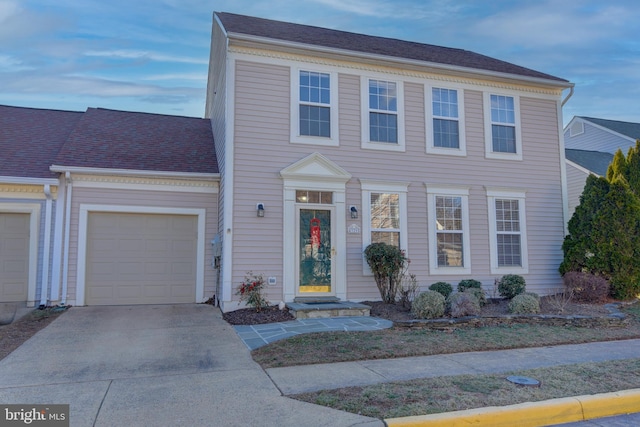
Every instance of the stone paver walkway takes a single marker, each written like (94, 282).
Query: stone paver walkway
(255, 336)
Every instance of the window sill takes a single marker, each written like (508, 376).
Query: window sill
(383, 146)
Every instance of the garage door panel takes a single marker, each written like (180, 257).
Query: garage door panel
(146, 258)
(14, 256)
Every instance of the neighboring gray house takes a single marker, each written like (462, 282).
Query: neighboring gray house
(590, 144)
(346, 139)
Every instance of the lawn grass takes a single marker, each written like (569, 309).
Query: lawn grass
(446, 394)
(331, 347)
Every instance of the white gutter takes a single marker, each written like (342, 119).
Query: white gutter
(67, 227)
(32, 181)
(57, 246)
(134, 172)
(399, 60)
(44, 289)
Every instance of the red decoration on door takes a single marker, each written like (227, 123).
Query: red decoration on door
(315, 233)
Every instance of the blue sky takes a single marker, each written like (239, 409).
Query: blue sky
(152, 55)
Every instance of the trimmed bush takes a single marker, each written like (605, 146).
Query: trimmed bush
(443, 288)
(533, 294)
(387, 263)
(428, 305)
(586, 287)
(463, 304)
(511, 285)
(524, 304)
(469, 284)
(478, 293)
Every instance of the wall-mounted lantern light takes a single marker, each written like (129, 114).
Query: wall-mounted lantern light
(260, 210)
(354, 212)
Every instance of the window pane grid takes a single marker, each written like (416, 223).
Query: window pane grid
(508, 233)
(315, 87)
(446, 133)
(383, 127)
(445, 102)
(383, 118)
(504, 139)
(385, 218)
(315, 98)
(315, 121)
(449, 231)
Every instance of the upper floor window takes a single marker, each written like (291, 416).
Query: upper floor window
(502, 129)
(313, 107)
(446, 133)
(382, 124)
(508, 232)
(449, 241)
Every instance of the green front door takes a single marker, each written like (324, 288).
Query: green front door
(314, 251)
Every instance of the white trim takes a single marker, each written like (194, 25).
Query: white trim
(32, 181)
(134, 172)
(375, 186)
(328, 177)
(429, 117)
(33, 209)
(364, 116)
(448, 191)
(146, 184)
(46, 250)
(494, 193)
(84, 211)
(296, 138)
(58, 239)
(488, 134)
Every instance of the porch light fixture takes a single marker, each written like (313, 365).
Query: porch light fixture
(260, 210)
(354, 212)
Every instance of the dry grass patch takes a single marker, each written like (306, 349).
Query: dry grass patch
(446, 394)
(330, 347)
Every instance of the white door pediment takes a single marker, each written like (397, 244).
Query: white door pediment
(315, 167)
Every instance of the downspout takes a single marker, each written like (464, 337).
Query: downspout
(567, 97)
(564, 186)
(44, 291)
(67, 226)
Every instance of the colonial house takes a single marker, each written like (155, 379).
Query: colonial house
(590, 145)
(316, 143)
(328, 141)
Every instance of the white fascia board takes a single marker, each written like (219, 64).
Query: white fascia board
(404, 61)
(134, 172)
(32, 181)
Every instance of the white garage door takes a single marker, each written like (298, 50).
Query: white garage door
(14, 256)
(140, 259)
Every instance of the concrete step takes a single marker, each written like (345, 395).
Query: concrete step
(314, 310)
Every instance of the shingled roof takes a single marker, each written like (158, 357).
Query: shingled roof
(343, 40)
(630, 129)
(595, 161)
(30, 138)
(140, 141)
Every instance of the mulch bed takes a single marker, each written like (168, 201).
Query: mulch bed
(398, 313)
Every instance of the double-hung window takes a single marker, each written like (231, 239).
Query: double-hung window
(503, 137)
(382, 123)
(507, 229)
(313, 107)
(445, 121)
(449, 243)
(384, 206)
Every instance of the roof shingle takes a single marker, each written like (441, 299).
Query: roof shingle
(632, 130)
(30, 138)
(140, 141)
(595, 161)
(317, 36)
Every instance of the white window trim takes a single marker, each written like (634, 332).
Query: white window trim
(444, 190)
(296, 138)
(507, 194)
(431, 148)
(374, 186)
(364, 104)
(488, 134)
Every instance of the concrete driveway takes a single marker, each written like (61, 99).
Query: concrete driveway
(167, 365)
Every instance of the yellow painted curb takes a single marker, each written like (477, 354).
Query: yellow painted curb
(532, 414)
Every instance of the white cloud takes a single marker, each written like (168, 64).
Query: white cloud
(196, 77)
(11, 64)
(145, 55)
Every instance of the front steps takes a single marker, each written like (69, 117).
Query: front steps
(314, 308)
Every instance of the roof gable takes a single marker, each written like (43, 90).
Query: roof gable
(628, 129)
(335, 39)
(30, 138)
(140, 141)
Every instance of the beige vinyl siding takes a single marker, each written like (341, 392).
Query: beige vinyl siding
(262, 149)
(576, 179)
(161, 199)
